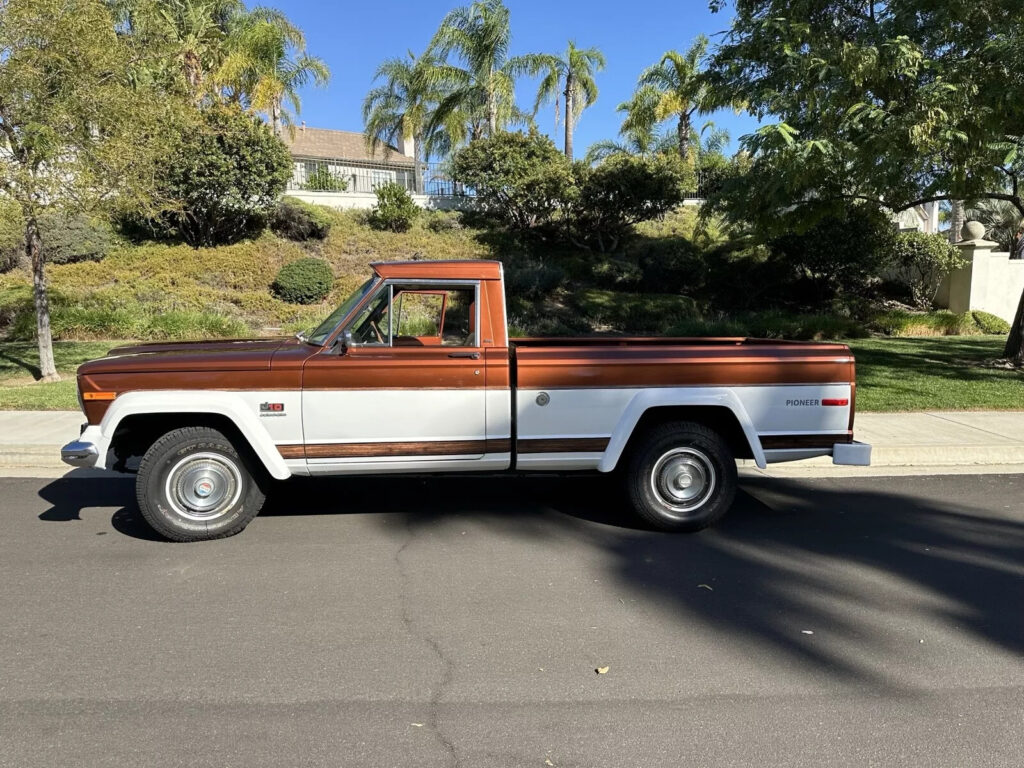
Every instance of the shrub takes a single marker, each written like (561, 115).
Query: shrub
(70, 239)
(443, 221)
(635, 312)
(323, 180)
(837, 257)
(305, 281)
(520, 180)
(900, 322)
(224, 176)
(395, 210)
(12, 235)
(298, 220)
(989, 323)
(921, 261)
(614, 196)
(531, 279)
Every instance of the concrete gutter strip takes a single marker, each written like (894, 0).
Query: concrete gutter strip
(953, 442)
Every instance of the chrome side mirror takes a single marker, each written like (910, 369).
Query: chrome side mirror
(347, 340)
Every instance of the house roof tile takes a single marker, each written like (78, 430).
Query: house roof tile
(326, 144)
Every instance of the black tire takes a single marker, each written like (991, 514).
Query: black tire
(193, 485)
(681, 477)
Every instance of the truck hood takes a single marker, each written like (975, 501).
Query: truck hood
(220, 355)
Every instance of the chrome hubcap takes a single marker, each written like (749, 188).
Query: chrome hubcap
(683, 479)
(203, 486)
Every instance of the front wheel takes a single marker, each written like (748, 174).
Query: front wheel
(194, 485)
(682, 477)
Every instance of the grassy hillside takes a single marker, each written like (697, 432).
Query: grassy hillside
(174, 291)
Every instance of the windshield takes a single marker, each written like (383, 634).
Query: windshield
(319, 334)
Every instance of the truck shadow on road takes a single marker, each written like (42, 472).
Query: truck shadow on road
(791, 558)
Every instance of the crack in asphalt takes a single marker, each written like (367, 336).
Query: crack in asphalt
(447, 665)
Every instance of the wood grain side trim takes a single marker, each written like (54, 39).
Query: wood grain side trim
(788, 442)
(563, 445)
(377, 450)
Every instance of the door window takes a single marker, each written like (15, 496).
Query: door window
(418, 316)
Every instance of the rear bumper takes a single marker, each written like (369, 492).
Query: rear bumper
(80, 453)
(852, 454)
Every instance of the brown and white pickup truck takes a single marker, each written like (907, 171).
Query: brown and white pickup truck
(415, 373)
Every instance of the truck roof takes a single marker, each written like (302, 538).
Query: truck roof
(464, 269)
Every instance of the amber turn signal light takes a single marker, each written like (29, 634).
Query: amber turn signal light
(99, 395)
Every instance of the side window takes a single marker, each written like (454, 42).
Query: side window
(418, 315)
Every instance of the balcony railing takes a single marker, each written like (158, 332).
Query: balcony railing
(348, 176)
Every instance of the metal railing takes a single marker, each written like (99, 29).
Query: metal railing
(355, 177)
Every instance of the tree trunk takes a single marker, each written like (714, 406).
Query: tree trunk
(275, 117)
(492, 114)
(956, 221)
(34, 251)
(418, 164)
(683, 137)
(1015, 341)
(569, 115)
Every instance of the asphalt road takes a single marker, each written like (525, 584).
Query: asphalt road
(459, 622)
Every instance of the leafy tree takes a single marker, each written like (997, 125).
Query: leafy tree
(481, 86)
(922, 260)
(893, 103)
(224, 176)
(576, 71)
(674, 88)
(79, 130)
(620, 192)
(520, 179)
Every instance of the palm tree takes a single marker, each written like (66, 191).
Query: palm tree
(1002, 221)
(401, 107)
(576, 70)
(482, 85)
(267, 65)
(674, 88)
(639, 131)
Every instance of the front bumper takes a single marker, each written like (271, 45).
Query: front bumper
(852, 454)
(80, 453)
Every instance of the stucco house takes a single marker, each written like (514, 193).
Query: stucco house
(326, 160)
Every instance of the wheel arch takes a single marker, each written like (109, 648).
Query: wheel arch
(718, 409)
(136, 417)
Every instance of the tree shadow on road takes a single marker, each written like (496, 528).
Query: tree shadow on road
(839, 558)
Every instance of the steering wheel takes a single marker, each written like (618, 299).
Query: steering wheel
(376, 331)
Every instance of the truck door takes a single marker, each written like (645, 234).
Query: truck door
(405, 389)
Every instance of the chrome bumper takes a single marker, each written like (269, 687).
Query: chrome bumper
(852, 454)
(79, 453)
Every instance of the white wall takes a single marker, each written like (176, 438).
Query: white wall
(991, 282)
(364, 200)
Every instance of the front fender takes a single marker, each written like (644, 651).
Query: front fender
(227, 404)
(678, 397)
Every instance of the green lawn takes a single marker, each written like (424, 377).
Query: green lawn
(941, 373)
(903, 374)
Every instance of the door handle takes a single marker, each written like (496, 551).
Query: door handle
(468, 355)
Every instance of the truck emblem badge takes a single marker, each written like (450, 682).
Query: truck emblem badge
(271, 407)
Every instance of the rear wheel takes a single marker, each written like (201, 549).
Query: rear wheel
(682, 477)
(193, 484)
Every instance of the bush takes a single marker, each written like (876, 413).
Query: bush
(900, 322)
(838, 257)
(395, 210)
(305, 281)
(531, 279)
(443, 221)
(921, 261)
(323, 180)
(225, 176)
(614, 196)
(74, 238)
(520, 180)
(12, 235)
(296, 219)
(989, 323)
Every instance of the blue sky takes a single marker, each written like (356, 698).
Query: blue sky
(353, 37)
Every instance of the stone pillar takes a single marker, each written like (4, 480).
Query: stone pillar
(968, 286)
